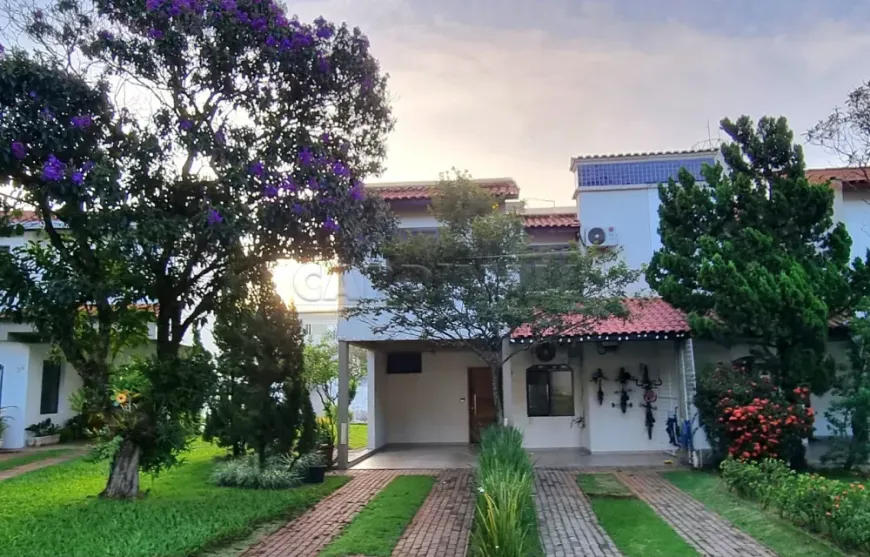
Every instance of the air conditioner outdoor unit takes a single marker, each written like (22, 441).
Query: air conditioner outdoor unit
(603, 236)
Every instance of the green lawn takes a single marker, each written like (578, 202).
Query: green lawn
(358, 436)
(603, 485)
(636, 530)
(27, 458)
(766, 527)
(851, 476)
(376, 530)
(54, 511)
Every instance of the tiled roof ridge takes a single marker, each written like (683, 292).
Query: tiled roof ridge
(503, 187)
(593, 156)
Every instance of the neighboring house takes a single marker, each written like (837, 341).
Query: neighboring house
(421, 392)
(34, 385)
(315, 325)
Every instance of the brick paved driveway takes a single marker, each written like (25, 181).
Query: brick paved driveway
(566, 522)
(440, 529)
(709, 533)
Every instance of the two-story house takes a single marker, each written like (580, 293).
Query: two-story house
(423, 393)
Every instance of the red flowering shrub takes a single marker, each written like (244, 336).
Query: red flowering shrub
(747, 417)
(766, 427)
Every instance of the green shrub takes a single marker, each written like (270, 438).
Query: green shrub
(280, 472)
(756, 480)
(505, 521)
(75, 429)
(836, 508)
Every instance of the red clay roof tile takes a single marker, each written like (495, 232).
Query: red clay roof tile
(845, 174)
(647, 316)
(501, 188)
(555, 220)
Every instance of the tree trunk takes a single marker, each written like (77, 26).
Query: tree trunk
(124, 476)
(496, 395)
(261, 457)
(856, 453)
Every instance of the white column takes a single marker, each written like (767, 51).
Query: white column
(15, 358)
(507, 389)
(371, 387)
(343, 402)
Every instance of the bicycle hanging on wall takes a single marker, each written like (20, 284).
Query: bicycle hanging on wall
(624, 378)
(598, 377)
(649, 397)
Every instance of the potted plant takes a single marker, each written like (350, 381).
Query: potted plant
(316, 472)
(4, 425)
(43, 433)
(326, 440)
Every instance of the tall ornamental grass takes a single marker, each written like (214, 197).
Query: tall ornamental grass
(505, 522)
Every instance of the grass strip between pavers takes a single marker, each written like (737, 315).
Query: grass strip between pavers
(769, 529)
(376, 530)
(636, 530)
(27, 458)
(54, 511)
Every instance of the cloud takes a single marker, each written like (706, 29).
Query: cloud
(521, 91)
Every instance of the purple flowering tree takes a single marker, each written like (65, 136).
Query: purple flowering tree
(246, 139)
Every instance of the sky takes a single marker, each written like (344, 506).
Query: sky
(517, 87)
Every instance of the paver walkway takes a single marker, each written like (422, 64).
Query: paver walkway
(706, 531)
(442, 526)
(568, 526)
(36, 465)
(311, 532)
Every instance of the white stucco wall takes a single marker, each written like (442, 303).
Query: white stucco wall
(319, 323)
(70, 381)
(15, 358)
(609, 429)
(428, 407)
(17, 241)
(855, 214)
(22, 384)
(633, 212)
(548, 431)
(376, 380)
(432, 407)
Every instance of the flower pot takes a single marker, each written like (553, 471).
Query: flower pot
(44, 440)
(327, 451)
(315, 474)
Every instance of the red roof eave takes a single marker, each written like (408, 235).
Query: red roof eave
(556, 220)
(505, 190)
(647, 316)
(851, 175)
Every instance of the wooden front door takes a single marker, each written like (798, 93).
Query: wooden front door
(481, 405)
